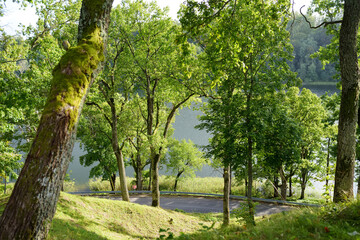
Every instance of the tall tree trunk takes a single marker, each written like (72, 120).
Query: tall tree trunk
(5, 183)
(226, 198)
(303, 182)
(118, 152)
(155, 191)
(327, 188)
(150, 177)
(156, 156)
(230, 191)
(276, 186)
(250, 182)
(302, 195)
(177, 178)
(139, 177)
(283, 183)
(358, 186)
(122, 176)
(113, 182)
(344, 174)
(32, 204)
(246, 186)
(290, 186)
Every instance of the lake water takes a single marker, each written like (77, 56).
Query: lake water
(184, 129)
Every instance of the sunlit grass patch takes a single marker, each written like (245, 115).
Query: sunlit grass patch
(94, 218)
(335, 221)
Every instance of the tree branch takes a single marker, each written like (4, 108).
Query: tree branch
(323, 23)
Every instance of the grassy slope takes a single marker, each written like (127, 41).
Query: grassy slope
(92, 218)
(340, 222)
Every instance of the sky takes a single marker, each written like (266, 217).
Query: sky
(14, 16)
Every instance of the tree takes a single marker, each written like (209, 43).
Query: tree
(242, 45)
(350, 76)
(331, 105)
(281, 141)
(347, 42)
(96, 141)
(164, 76)
(307, 109)
(184, 158)
(32, 204)
(9, 162)
(29, 61)
(140, 152)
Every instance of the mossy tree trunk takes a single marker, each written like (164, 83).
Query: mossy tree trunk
(349, 67)
(32, 204)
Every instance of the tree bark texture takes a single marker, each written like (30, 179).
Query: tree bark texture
(226, 198)
(32, 204)
(155, 191)
(344, 174)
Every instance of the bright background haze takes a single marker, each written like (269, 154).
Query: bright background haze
(15, 16)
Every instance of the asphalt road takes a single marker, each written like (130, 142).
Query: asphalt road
(203, 204)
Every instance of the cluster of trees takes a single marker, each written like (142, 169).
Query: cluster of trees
(262, 125)
(147, 78)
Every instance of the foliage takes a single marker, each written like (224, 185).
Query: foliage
(94, 136)
(242, 214)
(184, 157)
(306, 43)
(332, 222)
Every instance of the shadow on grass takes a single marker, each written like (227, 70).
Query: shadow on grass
(66, 230)
(209, 233)
(118, 228)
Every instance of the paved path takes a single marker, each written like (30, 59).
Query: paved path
(202, 204)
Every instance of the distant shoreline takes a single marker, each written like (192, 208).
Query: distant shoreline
(319, 84)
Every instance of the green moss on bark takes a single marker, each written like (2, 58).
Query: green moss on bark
(72, 76)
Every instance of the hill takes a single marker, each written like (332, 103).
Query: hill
(94, 218)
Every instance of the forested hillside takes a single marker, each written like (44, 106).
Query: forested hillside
(306, 42)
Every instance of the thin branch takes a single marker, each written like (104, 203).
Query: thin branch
(16, 60)
(100, 108)
(323, 23)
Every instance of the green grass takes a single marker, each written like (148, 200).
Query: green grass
(214, 185)
(93, 218)
(166, 183)
(331, 222)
